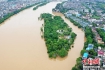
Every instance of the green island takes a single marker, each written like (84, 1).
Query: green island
(57, 34)
(15, 12)
(42, 4)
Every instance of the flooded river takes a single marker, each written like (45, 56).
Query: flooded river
(21, 46)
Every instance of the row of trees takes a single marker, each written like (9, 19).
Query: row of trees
(101, 33)
(75, 23)
(15, 12)
(78, 65)
(61, 8)
(57, 46)
(92, 53)
(42, 4)
(89, 40)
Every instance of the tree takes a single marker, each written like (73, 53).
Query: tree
(74, 68)
(52, 55)
(92, 52)
(72, 46)
(41, 36)
(94, 25)
(83, 51)
(79, 66)
(62, 52)
(89, 39)
(44, 3)
(66, 33)
(69, 29)
(79, 59)
(73, 35)
(85, 45)
(41, 29)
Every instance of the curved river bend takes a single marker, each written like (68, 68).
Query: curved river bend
(21, 46)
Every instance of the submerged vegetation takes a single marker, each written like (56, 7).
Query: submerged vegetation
(15, 12)
(42, 4)
(57, 34)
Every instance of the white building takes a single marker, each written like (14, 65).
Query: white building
(91, 67)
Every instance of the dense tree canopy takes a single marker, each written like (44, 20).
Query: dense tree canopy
(102, 34)
(83, 51)
(92, 52)
(75, 23)
(89, 35)
(58, 35)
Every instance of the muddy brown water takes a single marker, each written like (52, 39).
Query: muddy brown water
(22, 48)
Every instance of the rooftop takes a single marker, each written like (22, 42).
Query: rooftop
(90, 46)
(85, 55)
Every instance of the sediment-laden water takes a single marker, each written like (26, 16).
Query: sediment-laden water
(22, 48)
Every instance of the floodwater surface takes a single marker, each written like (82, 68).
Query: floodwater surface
(22, 48)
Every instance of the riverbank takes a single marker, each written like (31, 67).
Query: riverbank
(21, 45)
(15, 12)
(90, 41)
(40, 5)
